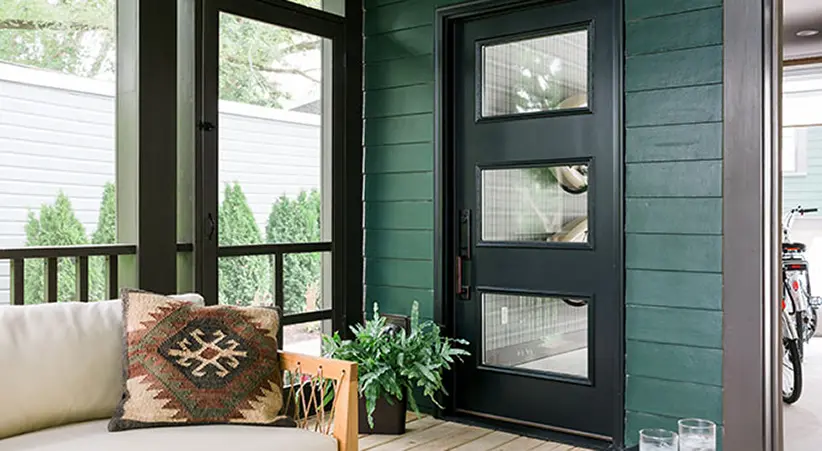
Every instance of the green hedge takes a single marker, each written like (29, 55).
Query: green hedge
(297, 220)
(243, 280)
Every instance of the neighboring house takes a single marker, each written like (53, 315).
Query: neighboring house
(802, 161)
(804, 187)
(57, 133)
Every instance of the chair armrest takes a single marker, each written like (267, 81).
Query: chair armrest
(344, 426)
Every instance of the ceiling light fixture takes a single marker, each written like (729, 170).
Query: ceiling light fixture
(807, 33)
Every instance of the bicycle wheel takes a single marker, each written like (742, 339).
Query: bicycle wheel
(791, 372)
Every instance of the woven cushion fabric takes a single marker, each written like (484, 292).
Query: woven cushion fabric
(60, 363)
(187, 364)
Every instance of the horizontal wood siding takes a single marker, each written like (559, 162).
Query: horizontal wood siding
(673, 212)
(399, 154)
(57, 133)
(806, 189)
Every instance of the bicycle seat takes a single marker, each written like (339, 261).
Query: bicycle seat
(793, 247)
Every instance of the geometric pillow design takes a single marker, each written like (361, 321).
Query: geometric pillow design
(186, 364)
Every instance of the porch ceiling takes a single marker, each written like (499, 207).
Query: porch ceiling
(802, 15)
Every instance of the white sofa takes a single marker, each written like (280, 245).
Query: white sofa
(61, 377)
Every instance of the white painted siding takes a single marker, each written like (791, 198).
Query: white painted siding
(57, 133)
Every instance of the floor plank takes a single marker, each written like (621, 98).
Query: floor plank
(551, 446)
(520, 444)
(409, 441)
(372, 441)
(469, 434)
(487, 442)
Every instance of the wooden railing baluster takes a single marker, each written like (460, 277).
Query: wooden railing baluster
(18, 286)
(111, 277)
(81, 279)
(51, 279)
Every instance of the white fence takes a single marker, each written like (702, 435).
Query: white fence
(57, 132)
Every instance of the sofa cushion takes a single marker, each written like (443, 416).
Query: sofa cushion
(61, 363)
(92, 436)
(198, 365)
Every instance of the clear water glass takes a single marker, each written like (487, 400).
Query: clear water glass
(658, 440)
(697, 435)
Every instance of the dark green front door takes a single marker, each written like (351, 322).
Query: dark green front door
(537, 200)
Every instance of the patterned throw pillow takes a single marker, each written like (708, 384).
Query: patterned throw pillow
(186, 364)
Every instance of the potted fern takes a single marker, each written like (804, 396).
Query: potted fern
(392, 363)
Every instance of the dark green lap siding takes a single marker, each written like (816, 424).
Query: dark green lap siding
(673, 179)
(673, 212)
(399, 154)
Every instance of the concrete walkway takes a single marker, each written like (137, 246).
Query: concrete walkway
(803, 420)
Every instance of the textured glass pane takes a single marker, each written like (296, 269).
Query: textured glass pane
(540, 74)
(536, 333)
(544, 204)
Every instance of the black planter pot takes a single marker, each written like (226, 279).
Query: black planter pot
(388, 418)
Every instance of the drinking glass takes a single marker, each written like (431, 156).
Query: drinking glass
(658, 440)
(697, 435)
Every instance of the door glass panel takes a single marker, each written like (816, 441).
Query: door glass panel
(548, 334)
(538, 204)
(547, 73)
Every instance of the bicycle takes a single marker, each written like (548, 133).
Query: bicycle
(796, 279)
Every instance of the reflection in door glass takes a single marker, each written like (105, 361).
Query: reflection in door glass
(274, 160)
(538, 74)
(537, 333)
(543, 204)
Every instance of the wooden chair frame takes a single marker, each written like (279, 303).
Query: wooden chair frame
(342, 420)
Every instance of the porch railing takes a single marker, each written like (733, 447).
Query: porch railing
(80, 254)
(277, 252)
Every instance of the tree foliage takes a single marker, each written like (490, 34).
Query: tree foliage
(78, 37)
(71, 36)
(56, 225)
(298, 221)
(253, 54)
(242, 280)
(106, 233)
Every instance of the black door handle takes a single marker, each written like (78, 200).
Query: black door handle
(463, 288)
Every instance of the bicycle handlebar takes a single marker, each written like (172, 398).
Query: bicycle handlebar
(808, 210)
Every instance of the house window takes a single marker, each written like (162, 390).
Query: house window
(794, 152)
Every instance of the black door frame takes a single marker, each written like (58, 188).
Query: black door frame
(445, 227)
(751, 165)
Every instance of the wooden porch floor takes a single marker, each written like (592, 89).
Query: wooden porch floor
(431, 434)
